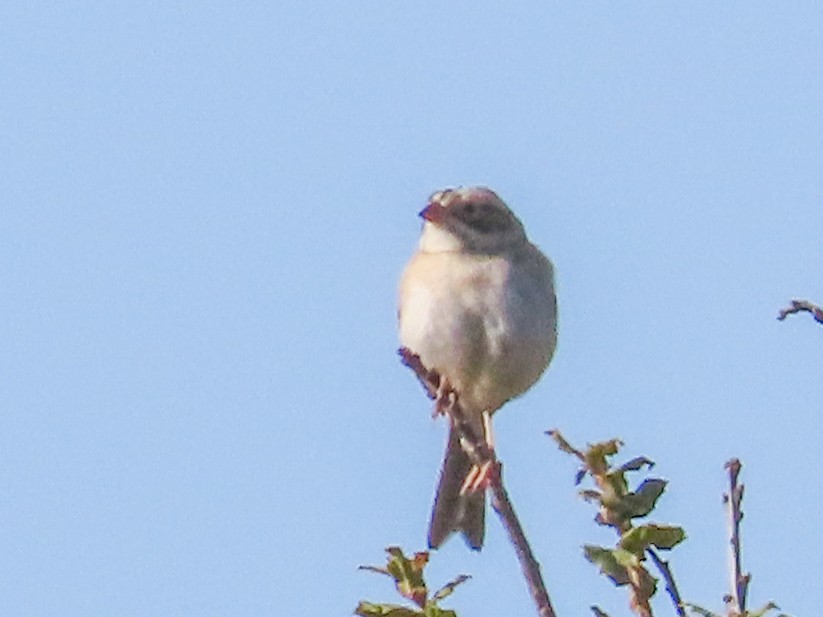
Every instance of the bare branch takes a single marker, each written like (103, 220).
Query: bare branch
(528, 563)
(736, 600)
(480, 454)
(671, 586)
(799, 306)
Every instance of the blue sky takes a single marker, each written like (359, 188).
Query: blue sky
(206, 208)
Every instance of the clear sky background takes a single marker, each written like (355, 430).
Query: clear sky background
(204, 211)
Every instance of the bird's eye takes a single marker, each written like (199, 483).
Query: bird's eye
(482, 218)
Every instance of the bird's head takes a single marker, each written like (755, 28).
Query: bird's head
(472, 220)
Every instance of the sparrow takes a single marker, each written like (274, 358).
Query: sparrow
(477, 305)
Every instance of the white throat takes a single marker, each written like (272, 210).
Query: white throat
(435, 239)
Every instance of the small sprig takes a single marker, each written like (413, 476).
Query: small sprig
(761, 612)
(618, 506)
(736, 599)
(800, 306)
(407, 573)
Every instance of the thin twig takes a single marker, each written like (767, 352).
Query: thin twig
(671, 586)
(799, 306)
(528, 563)
(739, 580)
(480, 454)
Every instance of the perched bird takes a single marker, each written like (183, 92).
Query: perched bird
(477, 305)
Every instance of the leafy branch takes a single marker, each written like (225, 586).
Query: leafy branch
(624, 564)
(407, 573)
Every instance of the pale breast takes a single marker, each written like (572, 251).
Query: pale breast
(485, 322)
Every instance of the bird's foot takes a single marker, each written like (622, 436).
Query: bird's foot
(444, 398)
(477, 479)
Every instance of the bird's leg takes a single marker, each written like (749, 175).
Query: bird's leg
(443, 399)
(487, 429)
(478, 477)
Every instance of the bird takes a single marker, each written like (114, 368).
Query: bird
(477, 305)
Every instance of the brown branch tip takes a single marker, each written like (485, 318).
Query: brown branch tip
(800, 306)
(739, 579)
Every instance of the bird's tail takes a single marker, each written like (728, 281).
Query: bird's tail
(452, 511)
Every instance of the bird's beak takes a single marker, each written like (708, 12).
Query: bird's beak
(433, 213)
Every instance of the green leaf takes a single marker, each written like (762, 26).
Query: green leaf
(446, 590)
(637, 464)
(564, 445)
(638, 539)
(406, 572)
(771, 606)
(703, 612)
(615, 488)
(626, 558)
(612, 563)
(367, 609)
(642, 501)
(432, 610)
(596, 456)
